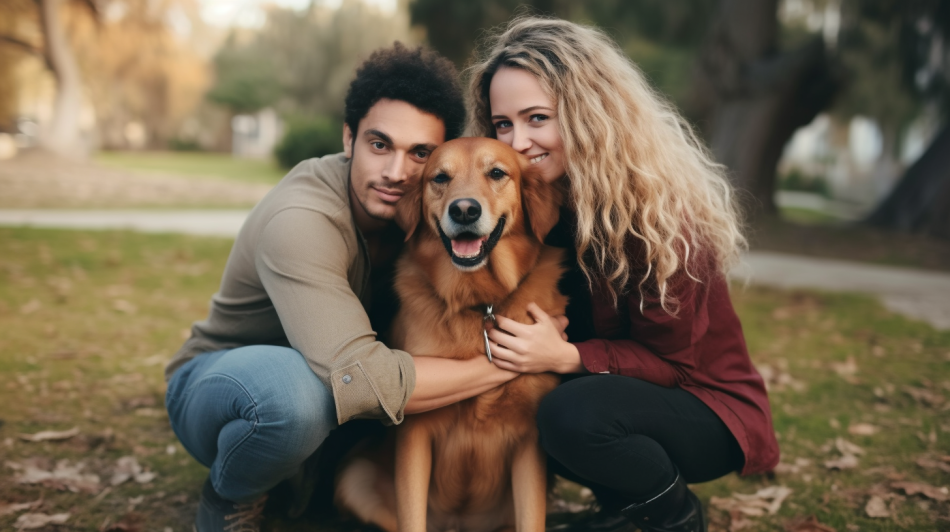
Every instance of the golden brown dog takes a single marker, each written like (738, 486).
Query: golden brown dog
(474, 228)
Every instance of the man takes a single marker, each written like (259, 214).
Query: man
(288, 351)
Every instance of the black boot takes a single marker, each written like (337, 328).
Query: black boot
(676, 509)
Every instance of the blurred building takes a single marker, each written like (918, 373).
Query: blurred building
(253, 136)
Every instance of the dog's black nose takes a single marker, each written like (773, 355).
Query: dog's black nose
(465, 211)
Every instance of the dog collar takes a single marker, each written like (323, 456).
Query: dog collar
(488, 316)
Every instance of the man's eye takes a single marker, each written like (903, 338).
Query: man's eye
(422, 154)
(441, 178)
(378, 145)
(496, 173)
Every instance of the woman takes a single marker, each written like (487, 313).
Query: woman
(667, 393)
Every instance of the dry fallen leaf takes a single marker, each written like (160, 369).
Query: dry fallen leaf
(127, 468)
(31, 521)
(876, 507)
(809, 524)
(12, 508)
(929, 463)
(778, 379)
(924, 396)
(63, 476)
(846, 447)
(124, 306)
(31, 306)
(848, 461)
(931, 492)
(50, 435)
(847, 368)
(766, 500)
(863, 429)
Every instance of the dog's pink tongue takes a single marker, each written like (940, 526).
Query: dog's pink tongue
(467, 247)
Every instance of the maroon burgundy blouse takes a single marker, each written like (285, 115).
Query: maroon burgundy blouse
(702, 350)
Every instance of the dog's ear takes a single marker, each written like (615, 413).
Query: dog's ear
(409, 209)
(542, 202)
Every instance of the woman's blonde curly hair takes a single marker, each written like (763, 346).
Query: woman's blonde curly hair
(636, 167)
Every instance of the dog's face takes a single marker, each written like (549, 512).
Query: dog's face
(474, 192)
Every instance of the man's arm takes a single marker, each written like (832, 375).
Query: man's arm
(443, 381)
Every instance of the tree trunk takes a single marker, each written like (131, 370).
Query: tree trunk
(62, 134)
(751, 98)
(921, 200)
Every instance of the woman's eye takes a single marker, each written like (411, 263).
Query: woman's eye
(441, 178)
(496, 173)
(502, 124)
(538, 118)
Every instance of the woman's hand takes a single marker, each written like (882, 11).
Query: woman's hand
(534, 348)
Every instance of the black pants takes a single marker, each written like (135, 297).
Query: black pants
(625, 438)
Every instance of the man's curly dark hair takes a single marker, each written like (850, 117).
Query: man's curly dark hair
(419, 77)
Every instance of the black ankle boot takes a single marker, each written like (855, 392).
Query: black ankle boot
(676, 509)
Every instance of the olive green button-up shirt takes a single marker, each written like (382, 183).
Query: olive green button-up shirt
(299, 276)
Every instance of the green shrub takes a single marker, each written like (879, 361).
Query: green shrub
(798, 181)
(306, 139)
(183, 144)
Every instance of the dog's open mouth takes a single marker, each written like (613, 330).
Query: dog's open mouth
(469, 250)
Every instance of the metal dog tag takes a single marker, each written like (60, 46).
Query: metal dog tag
(491, 317)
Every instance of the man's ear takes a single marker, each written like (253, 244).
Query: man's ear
(409, 208)
(542, 202)
(347, 142)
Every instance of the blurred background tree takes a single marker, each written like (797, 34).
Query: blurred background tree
(38, 28)
(754, 76)
(921, 62)
(144, 71)
(301, 63)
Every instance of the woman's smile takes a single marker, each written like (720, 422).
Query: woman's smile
(525, 117)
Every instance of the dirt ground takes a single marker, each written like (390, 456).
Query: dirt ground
(38, 180)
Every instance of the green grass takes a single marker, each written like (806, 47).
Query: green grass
(195, 164)
(89, 318)
(807, 216)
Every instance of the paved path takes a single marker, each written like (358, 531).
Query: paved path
(224, 223)
(921, 294)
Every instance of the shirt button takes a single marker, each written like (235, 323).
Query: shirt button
(347, 379)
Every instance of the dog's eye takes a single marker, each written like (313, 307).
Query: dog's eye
(496, 173)
(441, 178)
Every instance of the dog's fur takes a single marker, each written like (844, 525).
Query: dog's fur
(475, 465)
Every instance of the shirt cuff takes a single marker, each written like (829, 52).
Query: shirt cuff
(593, 357)
(356, 396)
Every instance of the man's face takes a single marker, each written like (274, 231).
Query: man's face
(388, 153)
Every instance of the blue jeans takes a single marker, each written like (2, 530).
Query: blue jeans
(252, 414)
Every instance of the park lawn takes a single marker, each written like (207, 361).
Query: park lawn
(194, 164)
(88, 319)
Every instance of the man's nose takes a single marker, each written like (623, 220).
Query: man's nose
(396, 169)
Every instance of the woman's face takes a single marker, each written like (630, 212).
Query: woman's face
(525, 118)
